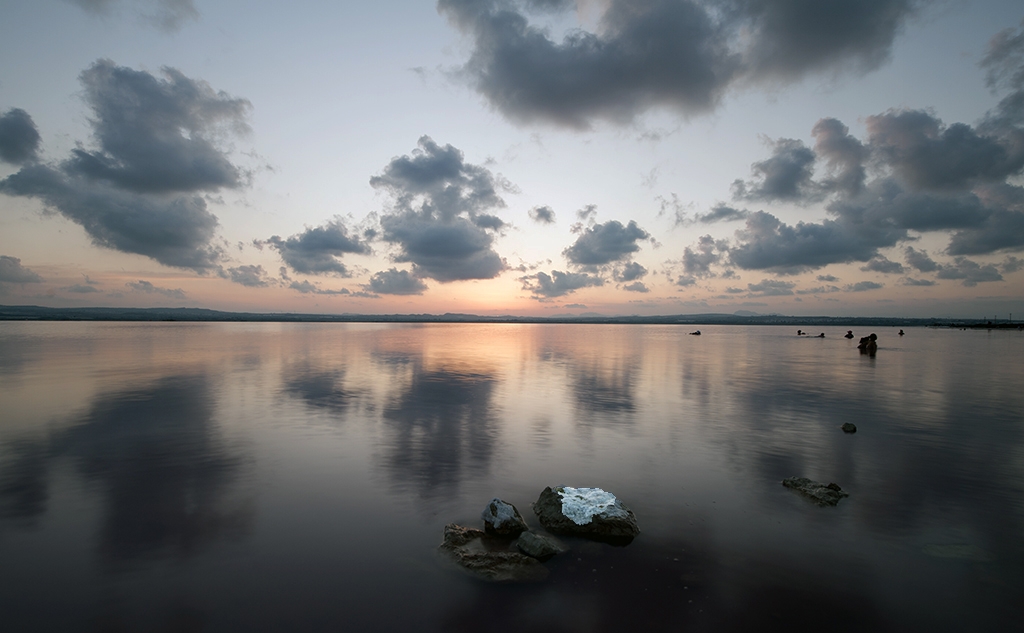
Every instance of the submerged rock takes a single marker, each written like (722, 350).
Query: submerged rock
(537, 546)
(503, 519)
(589, 512)
(819, 493)
(849, 427)
(470, 549)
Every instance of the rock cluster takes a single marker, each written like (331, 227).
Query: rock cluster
(819, 493)
(491, 554)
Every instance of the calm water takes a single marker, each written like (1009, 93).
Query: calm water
(269, 477)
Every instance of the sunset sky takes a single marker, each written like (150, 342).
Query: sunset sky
(526, 157)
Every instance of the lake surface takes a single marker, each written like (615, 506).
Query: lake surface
(297, 477)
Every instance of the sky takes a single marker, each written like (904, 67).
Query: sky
(520, 157)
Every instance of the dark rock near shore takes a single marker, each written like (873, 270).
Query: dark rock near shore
(849, 427)
(537, 546)
(819, 493)
(482, 556)
(503, 519)
(588, 512)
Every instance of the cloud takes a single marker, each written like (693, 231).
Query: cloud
(679, 54)
(249, 276)
(19, 139)
(721, 213)
(395, 282)
(637, 286)
(862, 286)
(148, 288)
(630, 272)
(606, 243)
(919, 260)
(11, 271)
(685, 281)
(970, 272)
(828, 278)
(157, 150)
(769, 244)
(438, 222)
(787, 175)
(910, 281)
(558, 283)
(1013, 264)
(305, 287)
(771, 288)
(81, 289)
(844, 155)
(156, 135)
(173, 230)
(707, 252)
(819, 290)
(317, 251)
(883, 265)
(167, 15)
(542, 215)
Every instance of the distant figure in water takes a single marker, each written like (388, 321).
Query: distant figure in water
(799, 332)
(849, 333)
(868, 345)
(901, 332)
(822, 335)
(697, 333)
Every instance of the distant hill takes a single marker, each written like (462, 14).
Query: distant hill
(39, 313)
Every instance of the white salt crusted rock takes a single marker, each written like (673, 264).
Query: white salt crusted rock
(581, 505)
(589, 512)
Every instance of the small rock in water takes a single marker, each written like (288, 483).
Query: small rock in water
(819, 493)
(468, 548)
(503, 519)
(537, 546)
(589, 512)
(849, 427)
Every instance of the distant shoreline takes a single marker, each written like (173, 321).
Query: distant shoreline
(40, 313)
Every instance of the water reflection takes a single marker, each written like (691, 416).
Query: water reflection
(320, 388)
(441, 427)
(153, 456)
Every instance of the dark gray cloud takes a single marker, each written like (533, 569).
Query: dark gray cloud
(771, 288)
(558, 283)
(604, 244)
(11, 271)
(630, 272)
(926, 154)
(721, 213)
(137, 192)
(306, 288)
(1012, 264)
(19, 139)
(542, 215)
(173, 230)
(147, 287)
(1002, 230)
(81, 289)
(699, 258)
(844, 155)
(971, 273)
(395, 282)
(787, 175)
(679, 54)
(317, 250)
(769, 244)
(1004, 66)
(919, 260)
(167, 15)
(910, 281)
(684, 281)
(828, 278)
(880, 264)
(249, 276)
(157, 135)
(819, 290)
(438, 222)
(636, 286)
(862, 286)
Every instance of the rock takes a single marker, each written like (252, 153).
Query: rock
(817, 492)
(471, 549)
(537, 546)
(589, 512)
(503, 519)
(849, 427)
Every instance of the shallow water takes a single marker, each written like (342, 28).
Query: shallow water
(265, 477)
